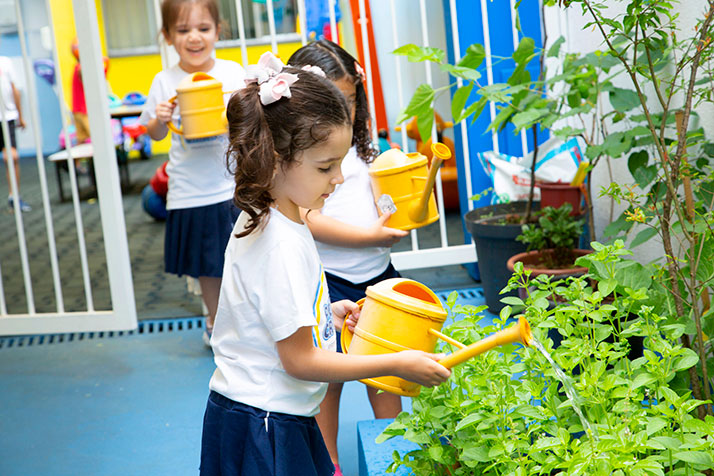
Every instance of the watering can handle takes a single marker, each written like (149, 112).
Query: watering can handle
(347, 334)
(170, 124)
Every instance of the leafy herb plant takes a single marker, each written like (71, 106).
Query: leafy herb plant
(507, 412)
(555, 235)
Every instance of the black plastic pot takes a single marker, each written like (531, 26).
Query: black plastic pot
(495, 244)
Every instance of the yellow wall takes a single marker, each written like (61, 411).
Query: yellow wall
(130, 73)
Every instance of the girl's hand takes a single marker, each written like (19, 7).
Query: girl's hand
(164, 111)
(383, 235)
(340, 310)
(421, 367)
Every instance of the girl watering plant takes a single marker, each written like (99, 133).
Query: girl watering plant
(352, 241)
(274, 335)
(200, 211)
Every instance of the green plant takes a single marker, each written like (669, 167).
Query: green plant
(673, 191)
(506, 412)
(557, 231)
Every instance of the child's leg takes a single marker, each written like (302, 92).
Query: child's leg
(385, 404)
(329, 419)
(210, 288)
(16, 162)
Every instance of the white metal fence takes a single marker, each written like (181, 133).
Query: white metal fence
(122, 314)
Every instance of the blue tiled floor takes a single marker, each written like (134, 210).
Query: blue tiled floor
(123, 404)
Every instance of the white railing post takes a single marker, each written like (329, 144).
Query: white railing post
(39, 156)
(110, 200)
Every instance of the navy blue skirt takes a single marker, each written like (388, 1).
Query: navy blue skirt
(196, 239)
(340, 288)
(242, 440)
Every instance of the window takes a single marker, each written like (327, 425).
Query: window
(255, 18)
(130, 25)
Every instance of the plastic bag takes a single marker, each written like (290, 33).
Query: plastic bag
(511, 176)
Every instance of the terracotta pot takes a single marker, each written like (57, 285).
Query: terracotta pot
(556, 194)
(531, 258)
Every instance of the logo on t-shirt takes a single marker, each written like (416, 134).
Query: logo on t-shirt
(329, 331)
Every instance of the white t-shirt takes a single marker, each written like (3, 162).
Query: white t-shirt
(7, 78)
(197, 169)
(273, 284)
(352, 202)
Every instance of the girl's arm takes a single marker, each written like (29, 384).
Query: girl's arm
(156, 127)
(302, 360)
(334, 232)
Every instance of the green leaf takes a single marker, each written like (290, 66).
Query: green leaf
(643, 379)
(459, 101)
(469, 420)
(513, 301)
(623, 99)
(417, 54)
(643, 236)
(474, 56)
(527, 118)
(606, 286)
(664, 443)
(425, 123)
(419, 104)
(695, 457)
(645, 175)
(687, 359)
(554, 50)
(476, 109)
(524, 51)
(476, 453)
(636, 160)
(465, 73)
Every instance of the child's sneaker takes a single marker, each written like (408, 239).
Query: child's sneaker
(338, 471)
(24, 206)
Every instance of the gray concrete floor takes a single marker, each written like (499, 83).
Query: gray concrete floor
(158, 295)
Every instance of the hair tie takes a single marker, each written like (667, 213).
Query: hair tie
(273, 83)
(315, 70)
(360, 72)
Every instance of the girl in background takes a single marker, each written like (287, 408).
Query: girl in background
(274, 337)
(352, 241)
(200, 210)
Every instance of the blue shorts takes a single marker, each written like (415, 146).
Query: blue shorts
(196, 239)
(242, 440)
(340, 289)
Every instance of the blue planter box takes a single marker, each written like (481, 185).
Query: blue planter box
(374, 459)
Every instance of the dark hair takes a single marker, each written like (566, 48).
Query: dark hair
(260, 138)
(337, 64)
(171, 11)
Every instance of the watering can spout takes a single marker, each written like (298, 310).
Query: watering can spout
(418, 210)
(520, 332)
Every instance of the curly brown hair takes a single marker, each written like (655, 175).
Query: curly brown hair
(337, 64)
(262, 138)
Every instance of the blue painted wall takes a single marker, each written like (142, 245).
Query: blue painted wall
(470, 30)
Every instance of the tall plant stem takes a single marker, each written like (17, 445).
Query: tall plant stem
(529, 205)
(693, 261)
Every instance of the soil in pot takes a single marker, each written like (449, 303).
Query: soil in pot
(495, 240)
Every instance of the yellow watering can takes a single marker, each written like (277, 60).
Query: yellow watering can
(401, 314)
(403, 184)
(200, 102)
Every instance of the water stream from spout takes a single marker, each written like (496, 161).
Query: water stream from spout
(569, 389)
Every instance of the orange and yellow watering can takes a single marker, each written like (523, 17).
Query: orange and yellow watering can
(200, 102)
(402, 314)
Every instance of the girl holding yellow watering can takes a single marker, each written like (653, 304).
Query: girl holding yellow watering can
(351, 238)
(274, 335)
(200, 210)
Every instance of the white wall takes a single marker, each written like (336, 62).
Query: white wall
(408, 26)
(579, 38)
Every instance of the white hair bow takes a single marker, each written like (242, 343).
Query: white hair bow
(267, 73)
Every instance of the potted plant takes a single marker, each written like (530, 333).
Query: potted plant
(551, 244)
(617, 417)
